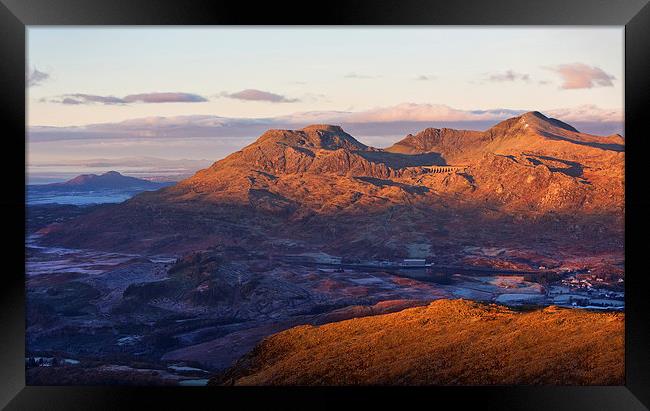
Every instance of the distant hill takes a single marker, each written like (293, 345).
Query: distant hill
(448, 342)
(111, 180)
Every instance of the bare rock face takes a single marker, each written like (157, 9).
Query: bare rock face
(448, 141)
(526, 177)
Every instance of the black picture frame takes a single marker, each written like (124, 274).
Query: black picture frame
(15, 15)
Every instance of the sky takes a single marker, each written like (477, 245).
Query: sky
(202, 92)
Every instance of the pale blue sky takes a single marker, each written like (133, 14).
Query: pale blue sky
(316, 66)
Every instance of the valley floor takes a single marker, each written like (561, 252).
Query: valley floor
(97, 318)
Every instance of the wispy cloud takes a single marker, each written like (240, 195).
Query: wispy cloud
(580, 76)
(173, 97)
(36, 77)
(259, 95)
(358, 76)
(589, 113)
(508, 75)
(80, 98)
(425, 77)
(140, 161)
(167, 97)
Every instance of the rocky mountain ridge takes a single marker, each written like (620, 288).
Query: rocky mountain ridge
(529, 176)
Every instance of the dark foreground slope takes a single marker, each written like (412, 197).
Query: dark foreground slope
(449, 342)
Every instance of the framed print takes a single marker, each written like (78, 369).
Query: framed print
(400, 201)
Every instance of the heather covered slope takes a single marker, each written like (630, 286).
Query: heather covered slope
(448, 342)
(527, 178)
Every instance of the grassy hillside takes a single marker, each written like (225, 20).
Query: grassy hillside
(454, 342)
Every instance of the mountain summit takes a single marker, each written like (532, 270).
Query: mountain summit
(530, 131)
(317, 136)
(539, 120)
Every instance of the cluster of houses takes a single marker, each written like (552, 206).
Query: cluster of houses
(594, 297)
(589, 284)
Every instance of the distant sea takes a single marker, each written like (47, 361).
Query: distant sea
(57, 174)
(44, 176)
(79, 198)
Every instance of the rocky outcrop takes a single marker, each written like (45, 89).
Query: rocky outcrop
(450, 143)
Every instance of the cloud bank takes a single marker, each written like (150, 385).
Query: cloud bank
(426, 112)
(580, 76)
(259, 95)
(156, 97)
(397, 120)
(164, 98)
